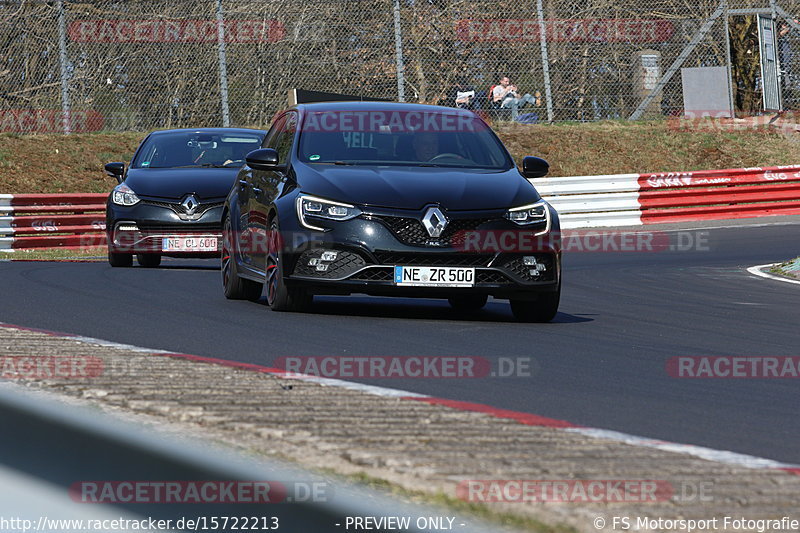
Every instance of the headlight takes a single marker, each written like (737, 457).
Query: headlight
(530, 214)
(124, 195)
(311, 207)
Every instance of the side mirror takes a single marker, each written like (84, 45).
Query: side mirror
(115, 170)
(534, 167)
(263, 159)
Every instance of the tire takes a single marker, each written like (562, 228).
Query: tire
(543, 309)
(234, 286)
(468, 302)
(279, 296)
(148, 260)
(120, 260)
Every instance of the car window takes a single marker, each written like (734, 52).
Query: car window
(196, 149)
(272, 135)
(281, 136)
(400, 138)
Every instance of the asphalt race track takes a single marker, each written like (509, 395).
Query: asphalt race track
(600, 364)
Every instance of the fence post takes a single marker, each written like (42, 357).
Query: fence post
(62, 57)
(223, 66)
(548, 93)
(398, 51)
(726, 28)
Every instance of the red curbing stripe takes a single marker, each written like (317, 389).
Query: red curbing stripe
(527, 419)
(795, 471)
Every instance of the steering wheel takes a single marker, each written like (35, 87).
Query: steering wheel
(446, 155)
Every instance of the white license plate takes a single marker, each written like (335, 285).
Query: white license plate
(189, 244)
(434, 276)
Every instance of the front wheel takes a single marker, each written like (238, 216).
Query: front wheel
(279, 296)
(543, 309)
(234, 286)
(148, 260)
(120, 260)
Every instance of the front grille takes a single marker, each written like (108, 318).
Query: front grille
(411, 231)
(491, 276)
(430, 259)
(180, 210)
(519, 269)
(144, 227)
(345, 264)
(375, 274)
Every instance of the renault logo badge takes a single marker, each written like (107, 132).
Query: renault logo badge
(190, 204)
(434, 221)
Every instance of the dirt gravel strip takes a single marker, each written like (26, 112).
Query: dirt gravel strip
(421, 445)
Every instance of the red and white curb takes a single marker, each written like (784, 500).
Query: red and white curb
(759, 271)
(529, 419)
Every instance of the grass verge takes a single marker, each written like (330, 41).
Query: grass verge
(74, 163)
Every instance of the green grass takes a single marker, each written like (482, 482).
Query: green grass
(55, 254)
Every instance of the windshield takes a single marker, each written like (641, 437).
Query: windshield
(193, 149)
(400, 138)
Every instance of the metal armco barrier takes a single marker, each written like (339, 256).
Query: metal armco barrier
(78, 220)
(52, 220)
(634, 199)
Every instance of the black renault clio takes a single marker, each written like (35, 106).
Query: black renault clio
(169, 201)
(390, 200)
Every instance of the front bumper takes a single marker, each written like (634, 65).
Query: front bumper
(143, 228)
(368, 249)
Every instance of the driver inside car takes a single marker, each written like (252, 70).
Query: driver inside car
(426, 146)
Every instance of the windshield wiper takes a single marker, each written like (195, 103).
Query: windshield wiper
(343, 163)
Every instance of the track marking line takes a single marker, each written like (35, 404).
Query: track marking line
(756, 271)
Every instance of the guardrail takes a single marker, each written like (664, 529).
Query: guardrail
(51, 220)
(634, 199)
(73, 220)
(57, 446)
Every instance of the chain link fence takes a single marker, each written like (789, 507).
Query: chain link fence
(135, 65)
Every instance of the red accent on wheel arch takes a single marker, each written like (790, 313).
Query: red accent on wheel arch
(527, 419)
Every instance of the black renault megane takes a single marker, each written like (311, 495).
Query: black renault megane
(169, 201)
(390, 200)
